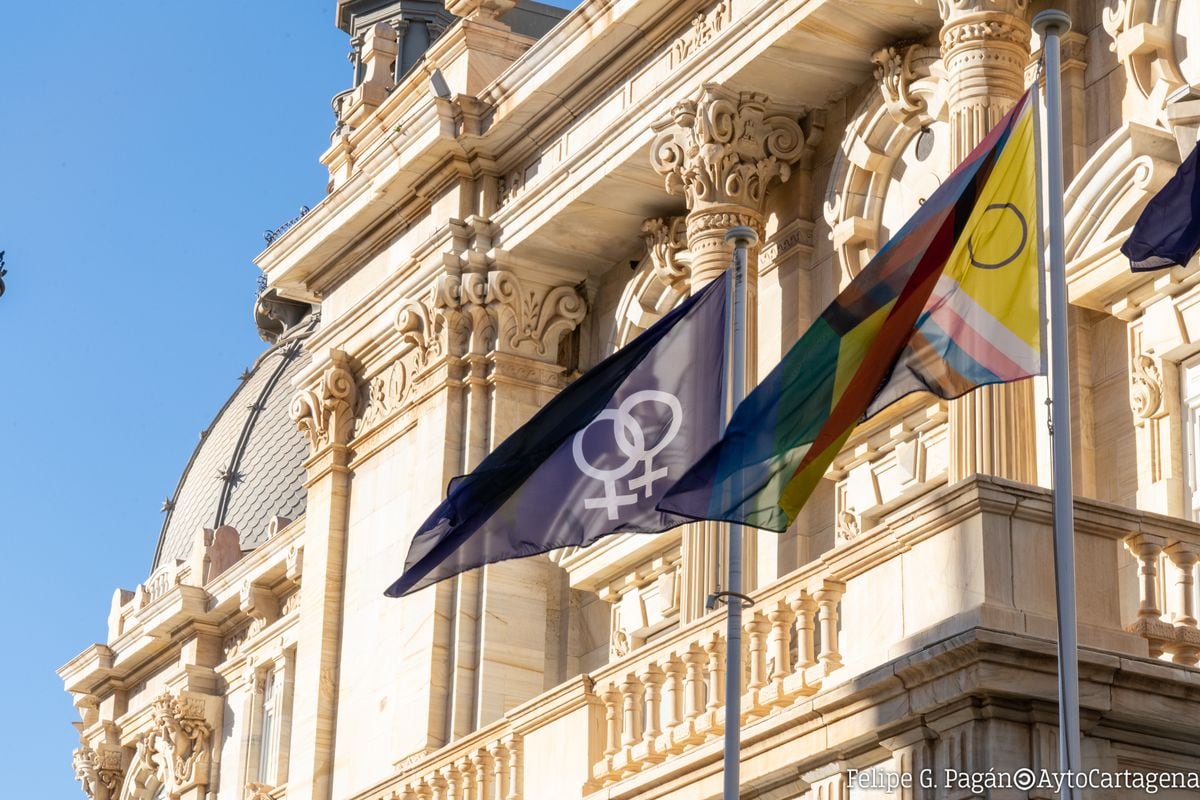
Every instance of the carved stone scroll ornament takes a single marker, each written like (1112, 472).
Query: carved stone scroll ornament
(1146, 389)
(98, 773)
(909, 82)
(666, 239)
(325, 414)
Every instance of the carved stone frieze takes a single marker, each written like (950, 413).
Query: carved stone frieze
(705, 26)
(386, 392)
(325, 413)
(99, 772)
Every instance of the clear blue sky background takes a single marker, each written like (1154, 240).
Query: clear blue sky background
(144, 149)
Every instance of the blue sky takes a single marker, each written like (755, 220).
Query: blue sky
(145, 147)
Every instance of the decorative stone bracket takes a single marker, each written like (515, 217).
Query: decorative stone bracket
(99, 771)
(474, 311)
(325, 412)
(666, 247)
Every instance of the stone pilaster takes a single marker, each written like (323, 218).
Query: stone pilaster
(985, 46)
(720, 151)
(323, 409)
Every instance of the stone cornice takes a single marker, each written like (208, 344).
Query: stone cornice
(534, 106)
(159, 629)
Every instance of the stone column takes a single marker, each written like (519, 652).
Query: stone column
(985, 46)
(720, 151)
(324, 410)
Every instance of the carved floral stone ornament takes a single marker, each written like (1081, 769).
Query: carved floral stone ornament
(173, 756)
(723, 148)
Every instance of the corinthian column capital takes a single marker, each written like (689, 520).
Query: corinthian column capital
(720, 151)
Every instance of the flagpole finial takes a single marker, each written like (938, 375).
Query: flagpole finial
(742, 234)
(1052, 21)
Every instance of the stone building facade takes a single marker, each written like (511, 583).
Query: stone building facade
(512, 196)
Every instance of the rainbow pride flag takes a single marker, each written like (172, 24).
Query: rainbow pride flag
(953, 301)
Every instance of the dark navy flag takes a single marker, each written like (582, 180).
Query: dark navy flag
(1168, 231)
(595, 460)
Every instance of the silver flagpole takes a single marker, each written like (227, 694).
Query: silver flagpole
(1051, 25)
(743, 239)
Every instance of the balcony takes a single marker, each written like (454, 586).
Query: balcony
(883, 648)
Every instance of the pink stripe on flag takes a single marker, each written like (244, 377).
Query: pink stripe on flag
(976, 344)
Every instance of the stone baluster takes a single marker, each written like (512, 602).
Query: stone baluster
(715, 649)
(757, 629)
(499, 756)
(612, 716)
(409, 793)
(1187, 645)
(985, 47)
(805, 609)
(1147, 549)
(440, 787)
(453, 780)
(1184, 556)
(652, 679)
(424, 791)
(672, 713)
(828, 597)
(514, 770)
(693, 704)
(631, 695)
(481, 764)
(470, 789)
(779, 655)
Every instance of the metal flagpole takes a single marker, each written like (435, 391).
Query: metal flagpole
(1051, 25)
(743, 239)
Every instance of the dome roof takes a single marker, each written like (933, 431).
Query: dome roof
(249, 465)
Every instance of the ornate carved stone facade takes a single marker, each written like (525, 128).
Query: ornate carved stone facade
(488, 238)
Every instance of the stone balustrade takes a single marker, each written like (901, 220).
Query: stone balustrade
(1166, 615)
(487, 765)
(669, 697)
(960, 574)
